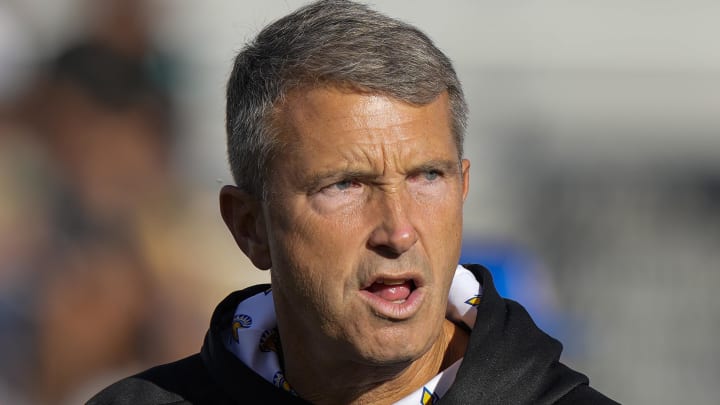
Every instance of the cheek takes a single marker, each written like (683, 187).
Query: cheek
(310, 253)
(439, 206)
(318, 234)
(440, 228)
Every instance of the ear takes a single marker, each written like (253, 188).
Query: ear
(465, 177)
(243, 215)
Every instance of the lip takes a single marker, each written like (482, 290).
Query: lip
(395, 311)
(414, 277)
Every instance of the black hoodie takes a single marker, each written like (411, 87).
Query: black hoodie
(509, 360)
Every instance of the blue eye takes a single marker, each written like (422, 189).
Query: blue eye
(345, 184)
(431, 175)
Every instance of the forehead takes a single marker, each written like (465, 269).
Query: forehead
(330, 133)
(332, 116)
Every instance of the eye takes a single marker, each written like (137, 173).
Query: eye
(342, 187)
(427, 177)
(431, 175)
(345, 184)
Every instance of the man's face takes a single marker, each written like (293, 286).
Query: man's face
(363, 224)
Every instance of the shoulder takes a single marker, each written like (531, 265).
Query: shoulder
(183, 381)
(134, 390)
(510, 360)
(585, 395)
(202, 378)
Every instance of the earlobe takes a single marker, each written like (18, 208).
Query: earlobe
(243, 216)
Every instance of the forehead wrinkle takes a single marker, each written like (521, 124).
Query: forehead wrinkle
(372, 146)
(370, 161)
(372, 118)
(369, 116)
(373, 134)
(388, 155)
(363, 157)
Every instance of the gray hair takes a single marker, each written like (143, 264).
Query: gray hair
(335, 42)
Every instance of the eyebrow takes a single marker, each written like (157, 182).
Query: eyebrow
(446, 166)
(315, 180)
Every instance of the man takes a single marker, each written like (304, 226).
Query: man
(345, 132)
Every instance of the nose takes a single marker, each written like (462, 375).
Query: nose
(394, 233)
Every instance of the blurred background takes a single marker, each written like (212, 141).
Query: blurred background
(595, 184)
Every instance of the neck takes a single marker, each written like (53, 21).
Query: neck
(341, 382)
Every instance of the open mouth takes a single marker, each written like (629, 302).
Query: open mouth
(395, 291)
(396, 297)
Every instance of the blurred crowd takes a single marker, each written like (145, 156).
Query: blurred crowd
(88, 209)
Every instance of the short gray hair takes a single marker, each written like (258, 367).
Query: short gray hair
(335, 42)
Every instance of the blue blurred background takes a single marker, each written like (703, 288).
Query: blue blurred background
(595, 183)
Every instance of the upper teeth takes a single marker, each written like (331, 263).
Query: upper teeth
(390, 282)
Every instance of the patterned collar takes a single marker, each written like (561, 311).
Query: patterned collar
(254, 339)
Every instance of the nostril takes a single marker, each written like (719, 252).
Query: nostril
(385, 251)
(391, 240)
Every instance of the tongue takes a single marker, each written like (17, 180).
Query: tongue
(391, 292)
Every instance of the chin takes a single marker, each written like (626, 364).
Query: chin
(398, 350)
